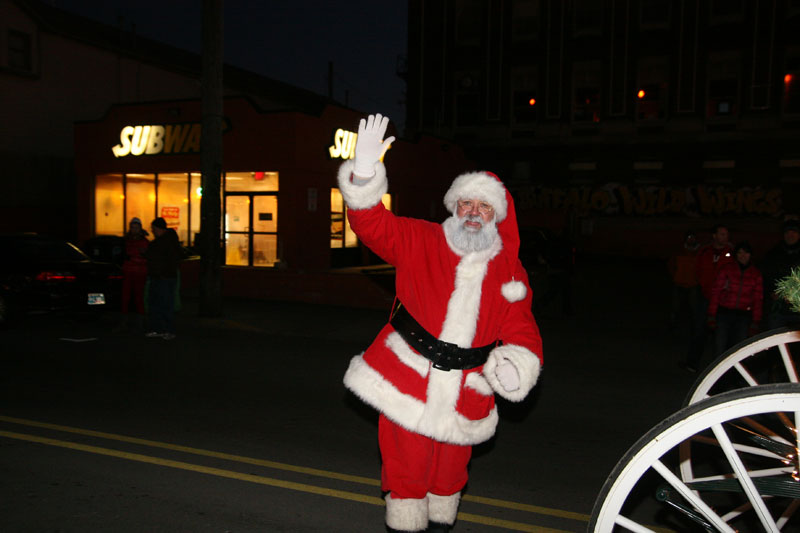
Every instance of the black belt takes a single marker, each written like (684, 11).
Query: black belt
(444, 355)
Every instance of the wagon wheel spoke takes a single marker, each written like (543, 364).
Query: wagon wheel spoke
(692, 497)
(788, 363)
(749, 488)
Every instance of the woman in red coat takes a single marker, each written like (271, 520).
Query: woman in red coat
(736, 300)
(134, 270)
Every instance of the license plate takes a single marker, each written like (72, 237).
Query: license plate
(97, 298)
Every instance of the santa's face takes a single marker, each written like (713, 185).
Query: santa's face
(469, 233)
(475, 213)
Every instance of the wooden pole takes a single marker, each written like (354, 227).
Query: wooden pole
(211, 161)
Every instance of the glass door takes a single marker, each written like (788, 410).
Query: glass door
(251, 229)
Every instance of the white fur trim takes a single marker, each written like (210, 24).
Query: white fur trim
(525, 361)
(461, 320)
(406, 355)
(443, 509)
(409, 412)
(364, 194)
(478, 185)
(478, 383)
(514, 291)
(406, 514)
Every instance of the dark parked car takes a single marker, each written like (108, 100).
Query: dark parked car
(40, 273)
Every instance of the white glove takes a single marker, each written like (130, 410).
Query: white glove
(507, 375)
(370, 145)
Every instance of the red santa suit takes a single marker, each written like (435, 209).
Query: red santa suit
(470, 299)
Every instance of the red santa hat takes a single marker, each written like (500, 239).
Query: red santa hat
(481, 185)
(488, 187)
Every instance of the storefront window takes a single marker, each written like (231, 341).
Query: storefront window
(173, 203)
(109, 202)
(195, 195)
(140, 198)
(341, 234)
(251, 218)
(237, 249)
(251, 181)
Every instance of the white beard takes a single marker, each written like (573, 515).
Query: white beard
(470, 240)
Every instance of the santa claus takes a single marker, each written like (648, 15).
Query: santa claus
(461, 331)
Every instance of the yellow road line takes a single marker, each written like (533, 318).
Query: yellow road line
(529, 508)
(195, 451)
(287, 467)
(301, 487)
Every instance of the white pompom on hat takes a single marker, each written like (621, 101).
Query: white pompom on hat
(478, 185)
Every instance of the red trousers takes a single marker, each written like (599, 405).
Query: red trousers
(133, 287)
(414, 465)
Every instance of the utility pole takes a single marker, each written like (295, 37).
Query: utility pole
(211, 161)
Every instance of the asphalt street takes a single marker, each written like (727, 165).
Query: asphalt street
(242, 423)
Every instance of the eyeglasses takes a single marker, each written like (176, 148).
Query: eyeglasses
(469, 205)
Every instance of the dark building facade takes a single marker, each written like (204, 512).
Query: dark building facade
(622, 122)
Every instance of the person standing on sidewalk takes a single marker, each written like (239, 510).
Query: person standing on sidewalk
(134, 273)
(735, 307)
(163, 257)
(710, 259)
(777, 265)
(461, 330)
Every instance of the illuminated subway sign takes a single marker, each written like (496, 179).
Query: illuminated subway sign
(344, 144)
(158, 139)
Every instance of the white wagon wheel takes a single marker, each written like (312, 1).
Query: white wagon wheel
(751, 451)
(764, 358)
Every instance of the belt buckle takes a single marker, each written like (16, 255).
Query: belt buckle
(445, 352)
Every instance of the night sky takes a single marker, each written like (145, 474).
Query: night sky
(287, 40)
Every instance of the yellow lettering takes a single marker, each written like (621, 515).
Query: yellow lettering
(139, 141)
(349, 146)
(336, 149)
(193, 142)
(155, 142)
(174, 137)
(124, 146)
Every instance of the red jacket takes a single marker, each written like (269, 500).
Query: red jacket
(738, 289)
(460, 299)
(135, 261)
(708, 264)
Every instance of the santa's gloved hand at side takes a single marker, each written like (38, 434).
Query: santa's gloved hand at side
(507, 375)
(370, 145)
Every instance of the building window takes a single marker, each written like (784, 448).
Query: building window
(723, 86)
(342, 235)
(523, 95)
(173, 203)
(20, 51)
(251, 218)
(173, 196)
(652, 89)
(587, 17)
(726, 11)
(654, 14)
(469, 16)
(791, 86)
(109, 205)
(468, 99)
(140, 198)
(525, 20)
(586, 92)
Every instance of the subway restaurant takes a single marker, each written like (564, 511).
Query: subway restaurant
(285, 232)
